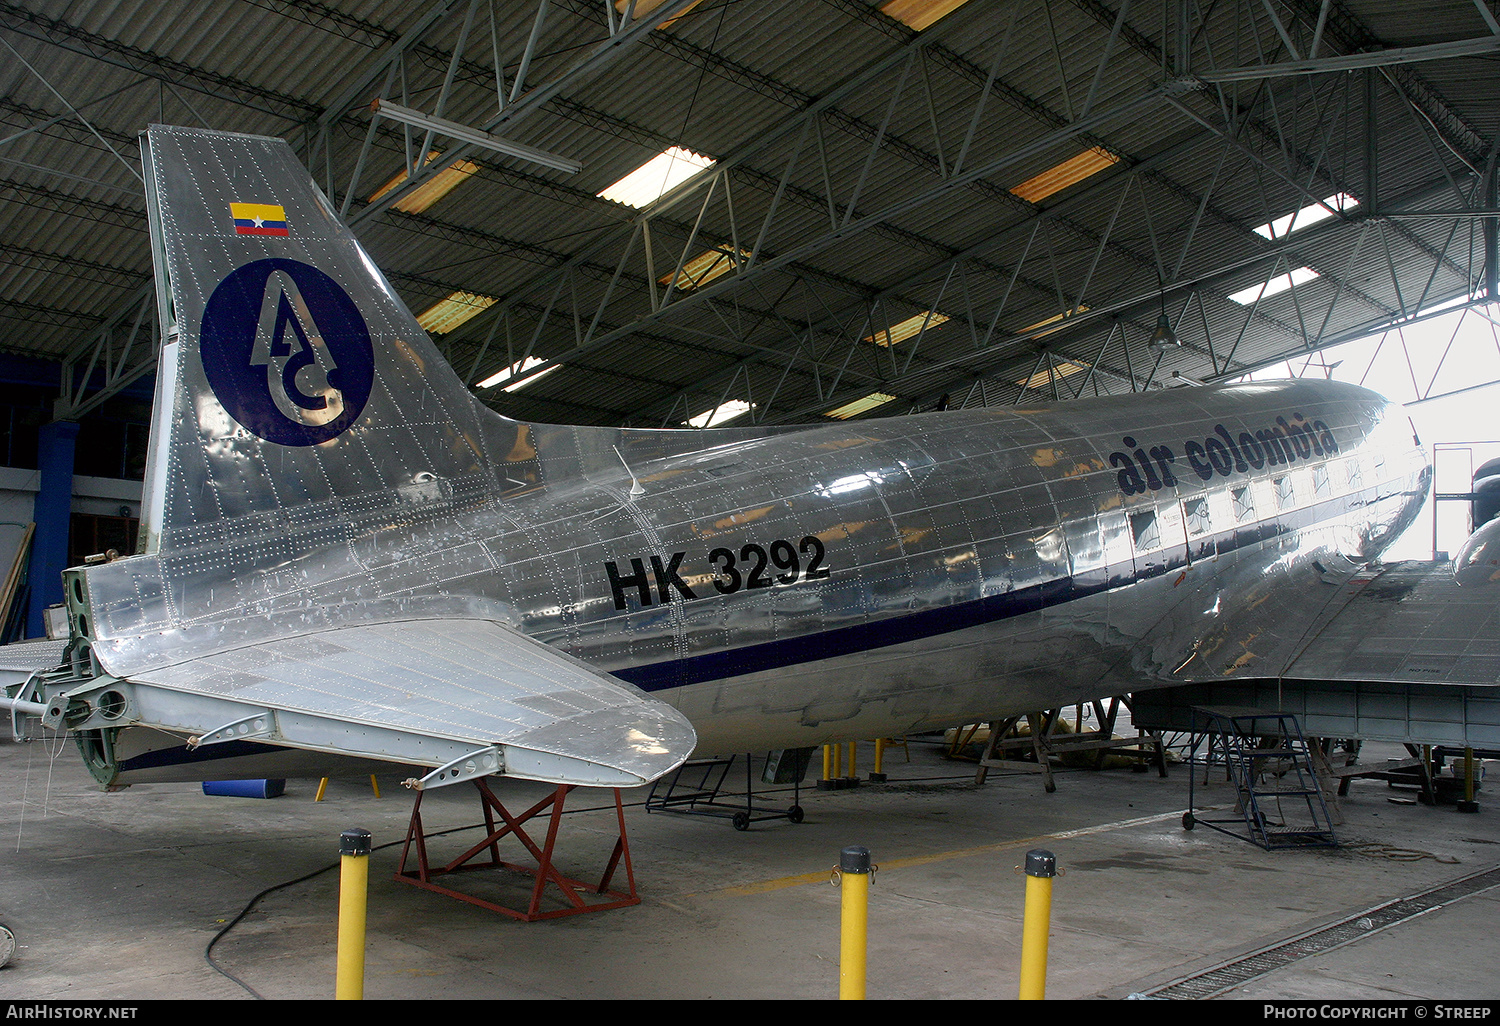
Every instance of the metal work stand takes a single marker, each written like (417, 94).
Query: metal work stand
(1269, 763)
(1044, 742)
(696, 787)
(574, 893)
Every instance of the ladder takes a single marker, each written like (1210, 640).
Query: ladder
(1269, 763)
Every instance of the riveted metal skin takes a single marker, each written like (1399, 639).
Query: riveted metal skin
(367, 563)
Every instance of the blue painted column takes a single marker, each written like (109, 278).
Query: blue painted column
(54, 504)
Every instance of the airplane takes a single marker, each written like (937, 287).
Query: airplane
(348, 560)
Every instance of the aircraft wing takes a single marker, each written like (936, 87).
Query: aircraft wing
(471, 697)
(1402, 623)
(1408, 623)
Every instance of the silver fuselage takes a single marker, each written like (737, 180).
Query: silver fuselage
(855, 580)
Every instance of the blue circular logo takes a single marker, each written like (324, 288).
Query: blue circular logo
(286, 352)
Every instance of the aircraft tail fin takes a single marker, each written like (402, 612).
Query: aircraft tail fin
(297, 398)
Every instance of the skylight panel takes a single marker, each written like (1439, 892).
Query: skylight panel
(519, 367)
(1278, 284)
(645, 7)
(1069, 172)
(898, 333)
(1054, 319)
(918, 14)
(721, 414)
(859, 406)
(1307, 216)
(657, 177)
(1061, 369)
(430, 191)
(447, 314)
(704, 268)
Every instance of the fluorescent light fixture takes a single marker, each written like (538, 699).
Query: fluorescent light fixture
(657, 177)
(907, 328)
(704, 268)
(1278, 284)
(430, 191)
(520, 367)
(869, 402)
(918, 14)
(721, 414)
(447, 314)
(1307, 216)
(1069, 172)
(1060, 369)
(473, 136)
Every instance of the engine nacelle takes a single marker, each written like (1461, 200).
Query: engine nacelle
(1478, 561)
(1486, 503)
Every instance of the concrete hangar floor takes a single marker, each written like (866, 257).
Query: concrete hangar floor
(116, 896)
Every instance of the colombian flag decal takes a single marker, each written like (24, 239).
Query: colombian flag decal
(258, 219)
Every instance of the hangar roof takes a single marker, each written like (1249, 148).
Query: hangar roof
(935, 201)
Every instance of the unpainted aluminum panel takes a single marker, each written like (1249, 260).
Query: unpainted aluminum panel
(1411, 622)
(473, 681)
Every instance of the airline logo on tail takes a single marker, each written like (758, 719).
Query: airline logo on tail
(286, 352)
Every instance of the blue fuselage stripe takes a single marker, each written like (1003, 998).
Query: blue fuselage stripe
(901, 628)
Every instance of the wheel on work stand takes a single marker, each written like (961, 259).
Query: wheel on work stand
(7, 944)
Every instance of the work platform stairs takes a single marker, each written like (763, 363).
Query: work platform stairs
(1270, 765)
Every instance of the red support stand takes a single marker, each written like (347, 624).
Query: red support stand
(575, 893)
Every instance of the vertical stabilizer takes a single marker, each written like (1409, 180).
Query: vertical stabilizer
(299, 399)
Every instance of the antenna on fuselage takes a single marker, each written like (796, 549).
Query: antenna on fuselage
(635, 486)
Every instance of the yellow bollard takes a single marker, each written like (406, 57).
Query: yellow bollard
(1467, 802)
(854, 880)
(852, 772)
(877, 776)
(827, 762)
(354, 876)
(1041, 867)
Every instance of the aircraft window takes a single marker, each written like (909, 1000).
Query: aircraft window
(1196, 512)
(1285, 494)
(1244, 505)
(1321, 487)
(1144, 530)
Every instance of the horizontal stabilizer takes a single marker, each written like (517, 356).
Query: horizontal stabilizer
(37, 654)
(471, 697)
